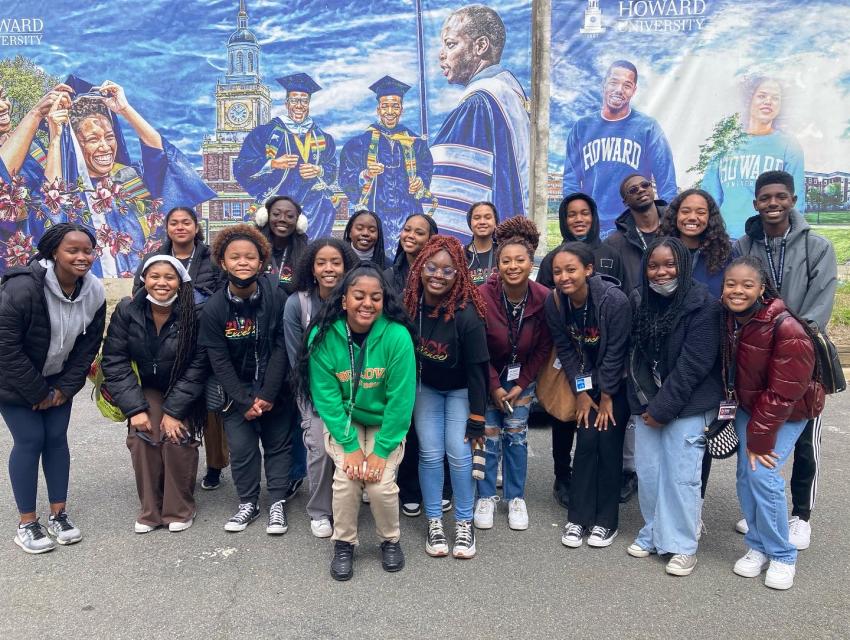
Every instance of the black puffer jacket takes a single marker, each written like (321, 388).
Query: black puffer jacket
(25, 340)
(606, 260)
(207, 278)
(128, 339)
(626, 243)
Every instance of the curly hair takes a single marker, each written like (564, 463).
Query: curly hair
(463, 290)
(517, 230)
(243, 231)
(332, 310)
(88, 107)
(378, 254)
(714, 242)
(303, 277)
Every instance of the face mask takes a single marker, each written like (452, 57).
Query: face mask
(162, 303)
(242, 283)
(667, 289)
(754, 308)
(581, 238)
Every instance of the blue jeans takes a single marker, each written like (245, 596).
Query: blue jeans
(510, 444)
(440, 420)
(669, 464)
(762, 493)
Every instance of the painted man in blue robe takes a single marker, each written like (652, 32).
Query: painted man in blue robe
(292, 156)
(387, 169)
(121, 197)
(481, 152)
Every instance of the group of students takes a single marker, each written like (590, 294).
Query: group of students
(414, 378)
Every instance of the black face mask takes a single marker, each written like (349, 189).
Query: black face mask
(242, 283)
(753, 309)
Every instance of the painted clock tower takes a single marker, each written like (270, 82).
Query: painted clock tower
(242, 102)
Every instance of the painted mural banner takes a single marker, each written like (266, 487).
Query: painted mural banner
(398, 106)
(706, 93)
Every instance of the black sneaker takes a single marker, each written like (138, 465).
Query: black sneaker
(601, 537)
(277, 519)
(561, 491)
(392, 557)
(247, 513)
(212, 480)
(342, 565)
(293, 488)
(464, 540)
(411, 509)
(629, 488)
(436, 544)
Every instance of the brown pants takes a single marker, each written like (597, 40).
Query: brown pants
(215, 443)
(165, 472)
(347, 494)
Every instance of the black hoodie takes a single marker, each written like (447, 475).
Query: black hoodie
(626, 243)
(606, 261)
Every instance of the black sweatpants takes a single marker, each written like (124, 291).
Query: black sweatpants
(563, 435)
(804, 473)
(598, 470)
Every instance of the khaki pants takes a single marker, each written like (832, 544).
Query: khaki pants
(165, 472)
(383, 495)
(215, 444)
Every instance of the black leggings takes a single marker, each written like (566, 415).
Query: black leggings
(38, 435)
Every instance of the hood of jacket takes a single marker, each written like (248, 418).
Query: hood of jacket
(755, 230)
(625, 222)
(492, 292)
(593, 234)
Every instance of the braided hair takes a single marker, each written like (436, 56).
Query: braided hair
(297, 240)
(714, 242)
(653, 323)
(378, 254)
(303, 277)
(187, 344)
(517, 230)
(52, 238)
(332, 310)
(463, 290)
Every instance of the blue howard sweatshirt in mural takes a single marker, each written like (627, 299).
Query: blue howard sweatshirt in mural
(731, 179)
(601, 153)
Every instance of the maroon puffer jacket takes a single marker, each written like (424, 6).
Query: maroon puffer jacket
(774, 375)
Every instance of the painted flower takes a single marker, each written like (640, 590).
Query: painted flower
(19, 248)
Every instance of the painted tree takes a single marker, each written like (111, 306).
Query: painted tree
(726, 136)
(25, 84)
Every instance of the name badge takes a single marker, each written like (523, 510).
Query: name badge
(556, 364)
(513, 372)
(727, 411)
(584, 383)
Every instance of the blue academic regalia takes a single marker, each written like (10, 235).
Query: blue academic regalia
(481, 152)
(388, 195)
(253, 171)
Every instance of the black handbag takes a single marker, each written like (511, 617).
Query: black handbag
(721, 439)
(217, 400)
(829, 366)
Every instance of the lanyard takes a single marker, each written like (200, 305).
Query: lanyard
(475, 255)
(731, 367)
(579, 335)
(282, 262)
(356, 368)
(191, 257)
(777, 271)
(514, 337)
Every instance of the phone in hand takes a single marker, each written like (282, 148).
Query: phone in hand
(507, 406)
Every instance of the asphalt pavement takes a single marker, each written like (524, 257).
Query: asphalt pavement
(207, 583)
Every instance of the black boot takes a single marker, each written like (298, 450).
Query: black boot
(392, 557)
(561, 490)
(342, 565)
(629, 487)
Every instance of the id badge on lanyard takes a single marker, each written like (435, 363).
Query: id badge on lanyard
(584, 382)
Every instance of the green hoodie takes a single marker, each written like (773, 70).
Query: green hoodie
(387, 385)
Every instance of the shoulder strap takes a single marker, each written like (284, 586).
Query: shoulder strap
(306, 308)
(808, 266)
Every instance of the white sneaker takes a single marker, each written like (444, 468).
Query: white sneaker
(143, 528)
(637, 551)
(681, 564)
(321, 528)
(742, 527)
(365, 498)
(517, 515)
(799, 533)
(780, 575)
(484, 510)
(752, 564)
(181, 526)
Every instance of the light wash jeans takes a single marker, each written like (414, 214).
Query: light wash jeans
(762, 493)
(440, 421)
(669, 463)
(510, 446)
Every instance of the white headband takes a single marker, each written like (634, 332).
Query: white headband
(174, 262)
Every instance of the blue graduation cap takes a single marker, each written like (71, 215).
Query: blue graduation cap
(299, 82)
(389, 86)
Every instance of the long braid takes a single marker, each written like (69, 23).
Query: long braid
(652, 327)
(187, 343)
(462, 292)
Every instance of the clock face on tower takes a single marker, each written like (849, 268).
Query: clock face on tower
(237, 113)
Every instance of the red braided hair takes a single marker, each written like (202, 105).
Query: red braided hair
(462, 291)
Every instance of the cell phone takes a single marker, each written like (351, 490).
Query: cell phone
(507, 406)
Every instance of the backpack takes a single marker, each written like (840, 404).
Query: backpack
(828, 370)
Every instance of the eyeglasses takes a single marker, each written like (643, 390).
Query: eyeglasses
(634, 190)
(431, 269)
(304, 102)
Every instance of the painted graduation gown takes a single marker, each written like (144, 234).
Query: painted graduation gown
(252, 169)
(482, 152)
(404, 156)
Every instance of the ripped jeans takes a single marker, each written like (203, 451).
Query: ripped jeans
(507, 438)
(669, 466)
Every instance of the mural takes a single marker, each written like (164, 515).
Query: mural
(400, 106)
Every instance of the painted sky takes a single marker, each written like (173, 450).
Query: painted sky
(168, 55)
(688, 81)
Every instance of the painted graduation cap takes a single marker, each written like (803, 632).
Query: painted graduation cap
(389, 86)
(299, 82)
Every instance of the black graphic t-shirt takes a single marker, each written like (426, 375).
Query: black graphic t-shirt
(481, 265)
(584, 329)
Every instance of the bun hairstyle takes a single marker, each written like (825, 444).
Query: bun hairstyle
(517, 230)
(261, 215)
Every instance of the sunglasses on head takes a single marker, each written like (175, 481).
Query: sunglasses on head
(635, 189)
